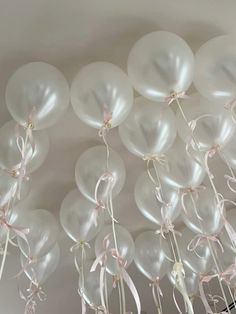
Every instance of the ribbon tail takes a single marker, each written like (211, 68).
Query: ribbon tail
(204, 298)
(132, 289)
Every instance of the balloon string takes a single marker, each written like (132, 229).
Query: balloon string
(4, 253)
(229, 178)
(120, 299)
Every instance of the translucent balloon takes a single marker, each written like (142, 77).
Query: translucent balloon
(227, 259)
(199, 261)
(10, 155)
(228, 152)
(160, 63)
(37, 93)
(184, 170)
(151, 255)
(215, 75)
(91, 288)
(9, 187)
(125, 245)
(191, 281)
(91, 165)
(101, 89)
(149, 129)
(148, 204)
(205, 207)
(231, 217)
(79, 217)
(42, 236)
(39, 271)
(214, 126)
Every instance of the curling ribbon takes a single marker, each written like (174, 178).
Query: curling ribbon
(178, 274)
(231, 107)
(157, 294)
(175, 95)
(230, 180)
(200, 239)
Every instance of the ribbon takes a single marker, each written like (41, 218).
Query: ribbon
(179, 274)
(34, 292)
(175, 95)
(166, 228)
(209, 154)
(231, 107)
(229, 180)
(200, 239)
(157, 294)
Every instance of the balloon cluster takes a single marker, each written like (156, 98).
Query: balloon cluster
(175, 134)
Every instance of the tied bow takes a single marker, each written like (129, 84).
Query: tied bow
(175, 95)
(231, 107)
(166, 228)
(200, 239)
(161, 159)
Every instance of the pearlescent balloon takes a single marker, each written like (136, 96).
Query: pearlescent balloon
(191, 281)
(184, 170)
(42, 236)
(199, 261)
(204, 206)
(40, 270)
(37, 92)
(91, 289)
(215, 75)
(160, 63)
(9, 187)
(125, 245)
(231, 218)
(10, 155)
(226, 260)
(150, 128)
(151, 255)
(91, 165)
(101, 89)
(150, 206)
(79, 217)
(214, 125)
(228, 152)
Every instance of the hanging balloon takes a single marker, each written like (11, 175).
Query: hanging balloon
(149, 129)
(152, 255)
(191, 281)
(215, 75)
(9, 187)
(42, 236)
(80, 218)
(101, 93)
(37, 93)
(10, 154)
(159, 64)
(228, 152)
(214, 125)
(125, 247)
(91, 288)
(183, 171)
(200, 260)
(231, 217)
(202, 214)
(149, 205)
(91, 168)
(39, 271)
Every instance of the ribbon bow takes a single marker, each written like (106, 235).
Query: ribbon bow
(161, 159)
(200, 239)
(175, 95)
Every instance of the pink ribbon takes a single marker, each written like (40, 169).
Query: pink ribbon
(174, 96)
(230, 180)
(200, 239)
(166, 228)
(209, 154)
(231, 107)
(34, 292)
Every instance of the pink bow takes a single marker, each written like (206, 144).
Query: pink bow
(34, 292)
(174, 96)
(200, 239)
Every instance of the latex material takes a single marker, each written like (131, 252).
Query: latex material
(42, 236)
(228, 152)
(39, 92)
(149, 129)
(184, 170)
(191, 281)
(10, 155)
(160, 63)
(76, 217)
(150, 206)
(40, 270)
(91, 288)
(199, 261)
(91, 165)
(231, 217)
(125, 247)
(101, 88)
(151, 252)
(216, 126)
(206, 206)
(215, 75)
